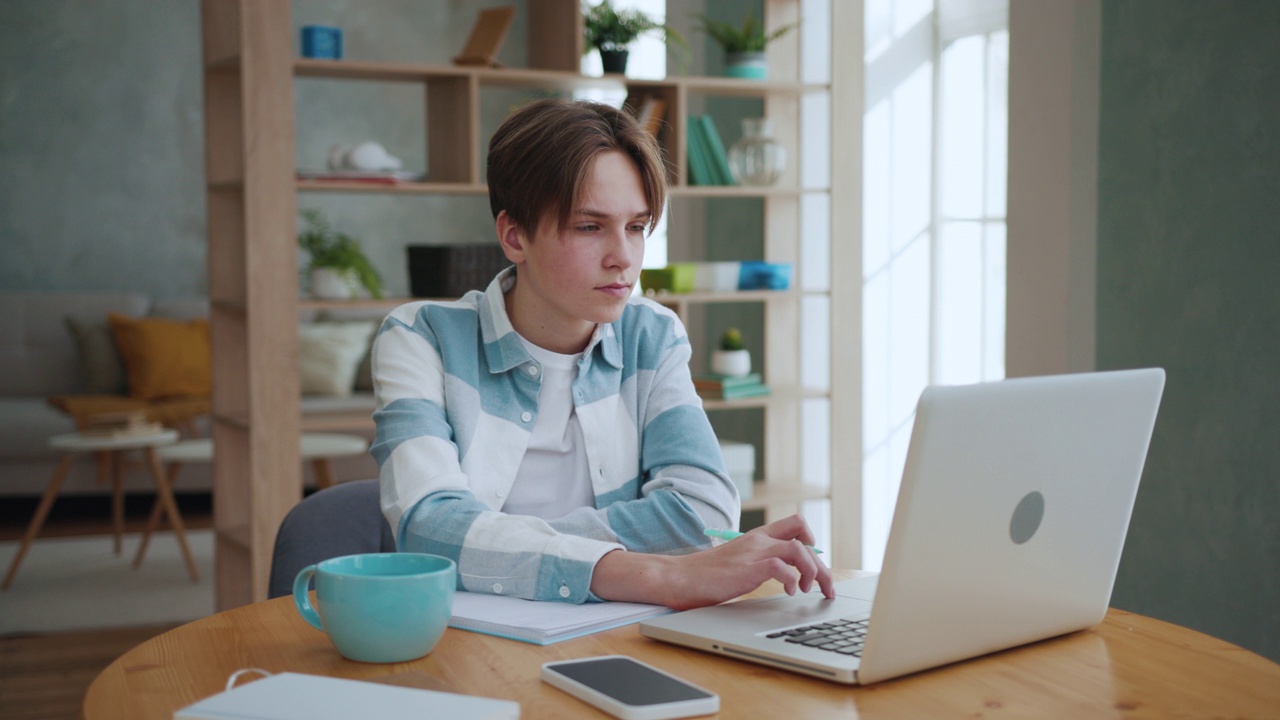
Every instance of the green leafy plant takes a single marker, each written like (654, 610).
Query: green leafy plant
(731, 340)
(750, 37)
(608, 28)
(339, 251)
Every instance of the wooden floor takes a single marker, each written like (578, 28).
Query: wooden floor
(45, 676)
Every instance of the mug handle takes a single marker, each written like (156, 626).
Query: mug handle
(302, 599)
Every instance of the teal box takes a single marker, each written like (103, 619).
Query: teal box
(320, 42)
(758, 275)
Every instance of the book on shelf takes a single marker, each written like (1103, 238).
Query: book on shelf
(649, 111)
(714, 381)
(736, 392)
(378, 177)
(700, 172)
(715, 149)
(543, 623)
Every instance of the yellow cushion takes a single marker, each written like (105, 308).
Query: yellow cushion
(164, 358)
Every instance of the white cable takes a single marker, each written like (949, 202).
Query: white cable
(231, 681)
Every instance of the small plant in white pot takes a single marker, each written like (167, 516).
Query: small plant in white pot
(744, 47)
(731, 358)
(339, 269)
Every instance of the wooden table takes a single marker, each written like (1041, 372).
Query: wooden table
(1128, 666)
(108, 451)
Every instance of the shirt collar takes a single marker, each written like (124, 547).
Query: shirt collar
(502, 347)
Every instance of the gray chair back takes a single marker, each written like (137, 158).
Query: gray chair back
(345, 519)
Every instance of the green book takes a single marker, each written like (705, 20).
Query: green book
(736, 393)
(719, 160)
(713, 381)
(700, 172)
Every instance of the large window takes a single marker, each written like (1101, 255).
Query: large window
(934, 147)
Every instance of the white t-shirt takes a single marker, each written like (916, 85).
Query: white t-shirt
(554, 477)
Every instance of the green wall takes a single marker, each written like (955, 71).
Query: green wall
(1188, 265)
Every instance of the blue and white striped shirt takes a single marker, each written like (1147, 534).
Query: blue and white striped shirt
(457, 396)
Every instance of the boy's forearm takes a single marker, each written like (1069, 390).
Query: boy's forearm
(635, 577)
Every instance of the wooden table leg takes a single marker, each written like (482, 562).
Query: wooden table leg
(37, 520)
(171, 507)
(116, 464)
(323, 472)
(153, 522)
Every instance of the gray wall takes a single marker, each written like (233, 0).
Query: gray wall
(101, 147)
(102, 138)
(1188, 256)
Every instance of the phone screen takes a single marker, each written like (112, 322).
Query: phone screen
(629, 682)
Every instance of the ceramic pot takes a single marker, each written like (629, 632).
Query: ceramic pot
(333, 284)
(750, 65)
(614, 61)
(734, 363)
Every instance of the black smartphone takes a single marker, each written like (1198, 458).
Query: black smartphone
(629, 689)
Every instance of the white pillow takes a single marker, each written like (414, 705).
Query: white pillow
(329, 353)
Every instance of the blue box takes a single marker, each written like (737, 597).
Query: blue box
(757, 275)
(322, 42)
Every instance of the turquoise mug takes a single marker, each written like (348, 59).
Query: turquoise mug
(379, 607)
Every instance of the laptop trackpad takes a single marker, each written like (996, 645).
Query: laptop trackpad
(801, 608)
(863, 588)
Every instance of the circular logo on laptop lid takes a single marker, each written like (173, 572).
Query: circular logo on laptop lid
(1026, 517)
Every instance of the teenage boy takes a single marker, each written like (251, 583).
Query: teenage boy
(545, 434)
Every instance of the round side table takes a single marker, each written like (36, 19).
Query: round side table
(319, 448)
(108, 450)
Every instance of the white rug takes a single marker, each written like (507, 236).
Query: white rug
(80, 584)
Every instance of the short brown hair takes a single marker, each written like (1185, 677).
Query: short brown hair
(539, 158)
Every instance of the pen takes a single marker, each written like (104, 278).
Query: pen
(730, 534)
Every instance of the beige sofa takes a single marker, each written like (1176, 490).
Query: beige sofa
(39, 358)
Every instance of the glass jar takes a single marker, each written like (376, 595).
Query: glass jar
(757, 159)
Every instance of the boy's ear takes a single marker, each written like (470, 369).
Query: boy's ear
(511, 237)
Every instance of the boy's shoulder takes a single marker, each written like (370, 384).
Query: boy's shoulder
(648, 317)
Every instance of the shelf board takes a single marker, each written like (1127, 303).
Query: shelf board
(732, 191)
(734, 296)
(310, 303)
(467, 188)
(758, 401)
(357, 186)
(764, 494)
(543, 79)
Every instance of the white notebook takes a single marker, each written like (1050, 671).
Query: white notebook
(543, 623)
(294, 696)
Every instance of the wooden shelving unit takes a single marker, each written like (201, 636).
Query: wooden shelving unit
(252, 193)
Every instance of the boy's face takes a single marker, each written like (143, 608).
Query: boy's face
(570, 279)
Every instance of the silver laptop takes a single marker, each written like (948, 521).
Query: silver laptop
(1011, 516)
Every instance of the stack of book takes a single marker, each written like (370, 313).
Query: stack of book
(120, 424)
(708, 162)
(729, 387)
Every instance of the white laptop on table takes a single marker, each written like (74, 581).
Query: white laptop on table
(1012, 513)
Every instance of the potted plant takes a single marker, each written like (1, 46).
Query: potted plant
(744, 47)
(611, 30)
(339, 269)
(731, 358)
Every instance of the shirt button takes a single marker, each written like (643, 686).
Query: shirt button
(564, 591)
(500, 493)
(526, 416)
(497, 588)
(533, 369)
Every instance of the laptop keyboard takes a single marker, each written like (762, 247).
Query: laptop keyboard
(840, 636)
